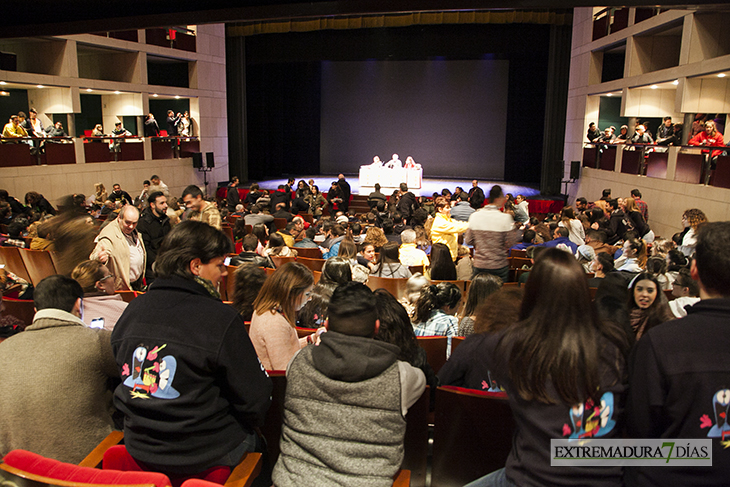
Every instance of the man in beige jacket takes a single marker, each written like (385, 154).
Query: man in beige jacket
(119, 246)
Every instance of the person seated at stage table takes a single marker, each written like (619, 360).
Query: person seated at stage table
(410, 163)
(376, 162)
(394, 162)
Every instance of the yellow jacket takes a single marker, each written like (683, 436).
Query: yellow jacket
(445, 231)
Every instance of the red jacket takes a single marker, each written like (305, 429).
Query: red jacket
(703, 139)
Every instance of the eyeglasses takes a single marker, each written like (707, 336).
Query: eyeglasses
(106, 277)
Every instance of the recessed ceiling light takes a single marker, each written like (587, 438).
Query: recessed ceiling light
(654, 87)
(721, 75)
(609, 94)
(117, 92)
(177, 97)
(3, 83)
(39, 86)
(155, 95)
(675, 82)
(89, 90)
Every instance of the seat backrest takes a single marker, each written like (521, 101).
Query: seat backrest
(472, 435)
(22, 309)
(435, 347)
(280, 261)
(317, 276)
(518, 253)
(415, 443)
(518, 262)
(415, 268)
(127, 296)
(395, 286)
(38, 263)
(271, 430)
(228, 231)
(310, 253)
(38, 468)
(313, 264)
(10, 256)
(280, 223)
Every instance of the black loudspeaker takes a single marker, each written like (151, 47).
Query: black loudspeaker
(209, 160)
(197, 160)
(574, 169)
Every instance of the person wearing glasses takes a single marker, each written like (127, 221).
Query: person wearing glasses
(101, 306)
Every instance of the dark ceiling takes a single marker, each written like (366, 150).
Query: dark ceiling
(58, 17)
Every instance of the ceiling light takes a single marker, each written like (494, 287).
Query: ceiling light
(39, 86)
(675, 82)
(654, 87)
(117, 92)
(3, 83)
(610, 94)
(89, 90)
(155, 95)
(721, 75)
(4, 93)
(177, 97)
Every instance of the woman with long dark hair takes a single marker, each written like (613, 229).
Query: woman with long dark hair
(435, 310)
(389, 265)
(396, 328)
(262, 234)
(442, 265)
(481, 287)
(647, 304)
(564, 371)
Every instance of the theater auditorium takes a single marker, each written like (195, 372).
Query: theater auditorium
(360, 197)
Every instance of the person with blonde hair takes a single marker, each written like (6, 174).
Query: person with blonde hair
(273, 323)
(102, 307)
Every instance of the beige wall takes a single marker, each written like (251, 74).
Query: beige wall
(667, 200)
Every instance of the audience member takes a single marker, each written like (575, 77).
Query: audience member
(248, 281)
(561, 240)
(686, 293)
(442, 266)
(120, 247)
(335, 271)
(482, 286)
(249, 255)
(153, 226)
(557, 364)
(177, 344)
(647, 304)
(576, 232)
(102, 307)
(466, 367)
(435, 312)
(462, 210)
(444, 229)
(202, 211)
(691, 220)
(119, 195)
(390, 265)
(55, 378)
(232, 196)
(684, 354)
(492, 233)
(275, 313)
(330, 395)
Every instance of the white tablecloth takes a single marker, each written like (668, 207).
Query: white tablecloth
(390, 178)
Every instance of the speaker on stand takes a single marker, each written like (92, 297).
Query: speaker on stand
(205, 168)
(574, 176)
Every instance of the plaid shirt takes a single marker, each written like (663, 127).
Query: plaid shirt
(439, 324)
(642, 207)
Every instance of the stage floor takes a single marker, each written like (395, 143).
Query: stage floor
(429, 185)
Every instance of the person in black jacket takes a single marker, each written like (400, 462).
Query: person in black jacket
(476, 195)
(616, 226)
(232, 197)
(192, 387)
(346, 192)
(407, 203)
(154, 225)
(151, 129)
(249, 255)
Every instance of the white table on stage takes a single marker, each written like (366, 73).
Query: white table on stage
(390, 178)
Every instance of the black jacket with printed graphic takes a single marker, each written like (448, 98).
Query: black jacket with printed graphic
(192, 386)
(679, 387)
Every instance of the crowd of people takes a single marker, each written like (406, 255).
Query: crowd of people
(189, 382)
(706, 131)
